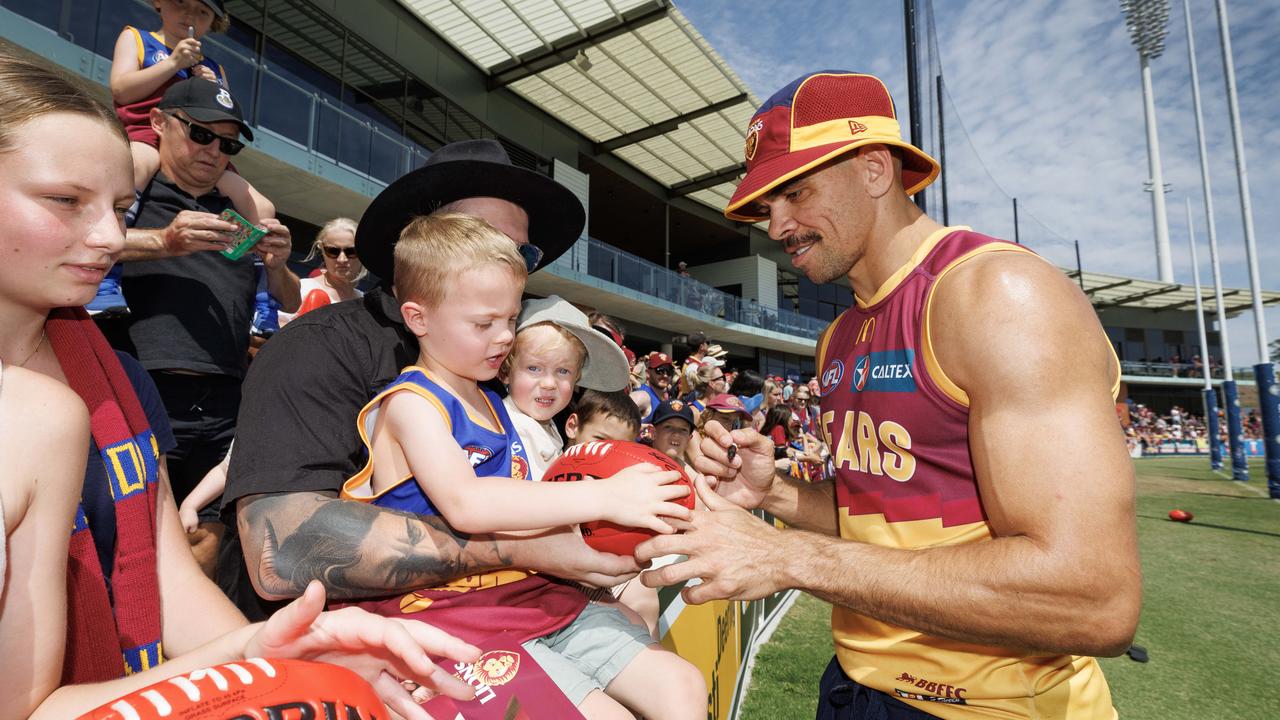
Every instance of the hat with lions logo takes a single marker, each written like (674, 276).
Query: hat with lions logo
(816, 118)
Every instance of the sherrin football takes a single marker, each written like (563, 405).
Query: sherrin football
(595, 460)
(1181, 515)
(253, 689)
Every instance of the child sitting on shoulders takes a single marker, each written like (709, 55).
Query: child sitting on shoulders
(145, 64)
(441, 444)
(555, 349)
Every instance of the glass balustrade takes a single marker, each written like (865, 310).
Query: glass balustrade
(282, 102)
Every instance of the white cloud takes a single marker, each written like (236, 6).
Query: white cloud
(1050, 94)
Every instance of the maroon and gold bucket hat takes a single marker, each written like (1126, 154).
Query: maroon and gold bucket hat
(813, 119)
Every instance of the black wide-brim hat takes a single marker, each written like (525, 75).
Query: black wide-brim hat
(470, 168)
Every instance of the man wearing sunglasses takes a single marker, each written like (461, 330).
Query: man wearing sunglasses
(315, 375)
(191, 307)
(661, 373)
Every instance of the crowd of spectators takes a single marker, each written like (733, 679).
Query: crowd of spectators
(1181, 430)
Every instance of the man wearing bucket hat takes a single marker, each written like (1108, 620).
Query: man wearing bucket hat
(973, 569)
(316, 374)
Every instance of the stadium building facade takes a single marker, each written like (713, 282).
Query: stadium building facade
(623, 102)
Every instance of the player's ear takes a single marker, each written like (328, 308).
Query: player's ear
(571, 425)
(415, 318)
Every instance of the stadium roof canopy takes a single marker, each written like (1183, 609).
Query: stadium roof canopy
(1107, 291)
(633, 76)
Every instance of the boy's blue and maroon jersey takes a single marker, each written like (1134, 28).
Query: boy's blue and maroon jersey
(898, 429)
(136, 115)
(491, 453)
(477, 606)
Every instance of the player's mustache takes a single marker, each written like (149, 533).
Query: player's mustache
(796, 241)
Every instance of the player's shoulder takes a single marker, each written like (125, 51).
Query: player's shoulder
(1005, 278)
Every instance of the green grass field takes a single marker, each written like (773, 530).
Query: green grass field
(1211, 607)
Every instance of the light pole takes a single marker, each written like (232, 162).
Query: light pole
(1210, 399)
(1239, 464)
(1264, 372)
(1148, 22)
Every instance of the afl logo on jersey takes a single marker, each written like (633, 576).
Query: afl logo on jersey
(477, 454)
(831, 378)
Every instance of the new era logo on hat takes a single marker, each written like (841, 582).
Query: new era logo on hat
(814, 119)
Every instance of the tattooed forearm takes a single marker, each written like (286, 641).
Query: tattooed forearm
(356, 550)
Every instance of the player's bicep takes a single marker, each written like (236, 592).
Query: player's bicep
(1026, 347)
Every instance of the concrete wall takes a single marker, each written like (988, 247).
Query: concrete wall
(758, 277)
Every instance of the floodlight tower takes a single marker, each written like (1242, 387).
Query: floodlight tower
(1148, 22)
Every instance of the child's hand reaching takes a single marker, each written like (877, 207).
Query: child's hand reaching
(641, 495)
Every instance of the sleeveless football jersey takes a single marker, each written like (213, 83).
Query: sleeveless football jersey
(899, 437)
(476, 606)
(136, 115)
(654, 401)
(492, 454)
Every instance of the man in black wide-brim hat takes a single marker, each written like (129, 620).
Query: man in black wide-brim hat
(297, 440)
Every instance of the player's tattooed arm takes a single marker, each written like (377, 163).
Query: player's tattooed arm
(356, 550)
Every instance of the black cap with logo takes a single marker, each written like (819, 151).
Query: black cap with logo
(205, 102)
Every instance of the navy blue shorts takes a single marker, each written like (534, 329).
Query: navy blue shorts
(840, 698)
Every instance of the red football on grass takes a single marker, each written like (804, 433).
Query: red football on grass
(595, 460)
(1180, 516)
(255, 688)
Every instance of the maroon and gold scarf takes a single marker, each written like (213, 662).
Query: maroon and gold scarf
(110, 634)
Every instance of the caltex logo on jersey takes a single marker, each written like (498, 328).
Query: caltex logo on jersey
(831, 378)
(884, 371)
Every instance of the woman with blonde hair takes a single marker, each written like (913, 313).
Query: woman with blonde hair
(335, 245)
(118, 603)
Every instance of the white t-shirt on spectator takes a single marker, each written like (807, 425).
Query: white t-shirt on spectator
(542, 441)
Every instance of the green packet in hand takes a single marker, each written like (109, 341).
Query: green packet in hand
(245, 237)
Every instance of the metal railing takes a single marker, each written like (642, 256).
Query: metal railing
(1179, 370)
(289, 109)
(605, 262)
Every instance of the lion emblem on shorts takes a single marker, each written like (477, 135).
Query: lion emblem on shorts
(498, 667)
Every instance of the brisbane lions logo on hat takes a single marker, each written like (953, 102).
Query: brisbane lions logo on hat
(753, 139)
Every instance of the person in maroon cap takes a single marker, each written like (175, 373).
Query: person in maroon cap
(974, 570)
(660, 370)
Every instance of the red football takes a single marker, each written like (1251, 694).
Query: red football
(256, 689)
(595, 460)
(1180, 515)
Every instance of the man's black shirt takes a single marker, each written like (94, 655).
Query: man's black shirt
(190, 312)
(297, 426)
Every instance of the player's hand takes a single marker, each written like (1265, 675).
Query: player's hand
(381, 650)
(191, 231)
(186, 53)
(204, 73)
(733, 552)
(746, 478)
(639, 496)
(274, 247)
(562, 552)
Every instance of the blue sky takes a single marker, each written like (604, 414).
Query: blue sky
(1049, 94)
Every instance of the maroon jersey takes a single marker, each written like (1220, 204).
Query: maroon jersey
(898, 430)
